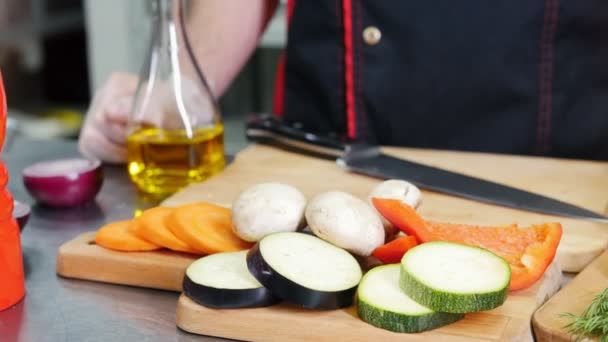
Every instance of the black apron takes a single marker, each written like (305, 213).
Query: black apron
(506, 76)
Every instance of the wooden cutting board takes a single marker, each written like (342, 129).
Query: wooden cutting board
(579, 182)
(509, 322)
(81, 258)
(284, 322)
(574, 298)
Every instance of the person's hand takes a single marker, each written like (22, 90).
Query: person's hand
(104, 133)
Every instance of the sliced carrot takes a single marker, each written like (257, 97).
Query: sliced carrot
(392, 252)
(150, 225)
(118, 236)
(206, 227)
(529, 250)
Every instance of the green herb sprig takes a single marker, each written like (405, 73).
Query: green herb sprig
(593, 322)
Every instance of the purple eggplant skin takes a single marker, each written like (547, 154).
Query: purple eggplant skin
(293, 292)
(228, 298)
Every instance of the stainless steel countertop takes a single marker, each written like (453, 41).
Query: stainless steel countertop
(57, 309)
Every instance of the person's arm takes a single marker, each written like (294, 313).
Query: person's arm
(223, 34)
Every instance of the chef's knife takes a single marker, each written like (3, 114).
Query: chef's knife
(369, 160)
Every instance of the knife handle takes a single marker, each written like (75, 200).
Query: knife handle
(268, 128)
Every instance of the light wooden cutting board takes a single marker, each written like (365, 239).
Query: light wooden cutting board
(557, 178)
(284, 322)
(579, 182)
(80, 258)
(574, 298)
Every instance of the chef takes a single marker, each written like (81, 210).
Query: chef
(505, 76)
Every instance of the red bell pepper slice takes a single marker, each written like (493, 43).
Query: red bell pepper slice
(392, 252)
(529, 250)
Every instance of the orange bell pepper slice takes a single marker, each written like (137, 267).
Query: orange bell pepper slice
(529, 250)
(392, 252)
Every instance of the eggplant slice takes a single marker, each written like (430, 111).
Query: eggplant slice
(305, 270)
(222, 281)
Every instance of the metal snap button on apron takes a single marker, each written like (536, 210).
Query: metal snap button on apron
(372, 35)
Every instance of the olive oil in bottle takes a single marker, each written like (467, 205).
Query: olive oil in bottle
(164, 161)
(175, 129)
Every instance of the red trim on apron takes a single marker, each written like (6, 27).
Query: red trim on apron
(546, 71)
(279, 88)
(278, 103)
(349, 72)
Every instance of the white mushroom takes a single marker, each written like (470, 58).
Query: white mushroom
(267, 208)
(345, 221)
(397, 189)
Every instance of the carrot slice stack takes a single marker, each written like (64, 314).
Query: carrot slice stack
(118, 236)
(151, 226)
(206, 227)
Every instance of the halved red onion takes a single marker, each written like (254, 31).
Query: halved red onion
(63, 182)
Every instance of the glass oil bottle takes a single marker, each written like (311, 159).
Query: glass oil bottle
(175, 129)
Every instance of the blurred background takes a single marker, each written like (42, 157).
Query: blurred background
(54, 53)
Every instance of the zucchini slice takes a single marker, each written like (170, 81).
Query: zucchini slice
(222, 280)
(382, 303)
(451, 277)
(305, 270)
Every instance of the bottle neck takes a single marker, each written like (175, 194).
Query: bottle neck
(163, 16)
(164, 11)
(164, 40)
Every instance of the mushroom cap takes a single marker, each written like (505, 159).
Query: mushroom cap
(397, 189)
(267, 208)
(345, 221)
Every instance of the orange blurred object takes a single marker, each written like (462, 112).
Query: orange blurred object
(12, 285)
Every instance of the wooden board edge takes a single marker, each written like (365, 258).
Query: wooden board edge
(187, 309)
(63, 265)
(546, 332)
(79, 259)
(543, 333)
(190, 315)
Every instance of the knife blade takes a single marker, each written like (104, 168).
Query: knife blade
(369, 160)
